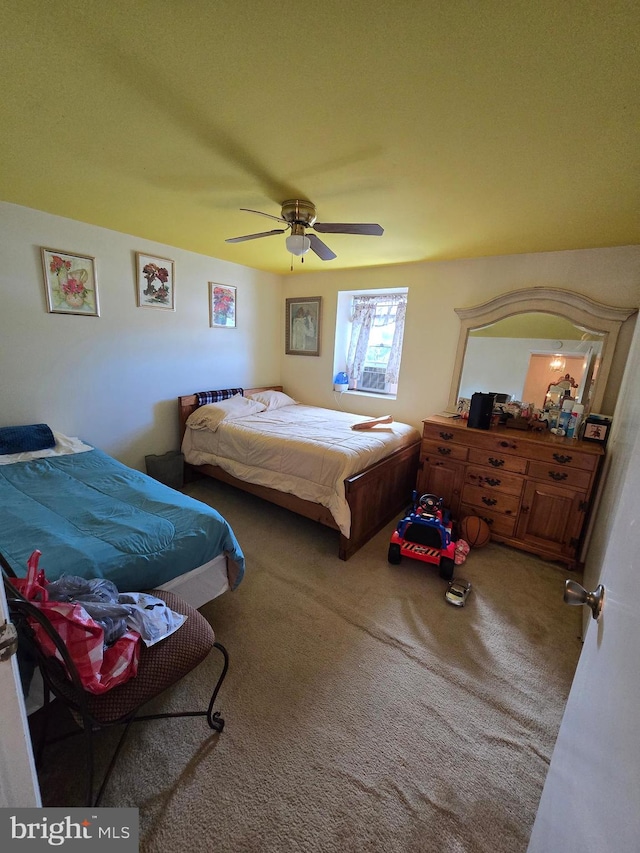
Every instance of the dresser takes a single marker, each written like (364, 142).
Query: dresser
(533, 489)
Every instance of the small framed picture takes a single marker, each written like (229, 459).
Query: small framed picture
(597, 428)
(302, 329)
(70, 283)
(222, 306)
(155, 282)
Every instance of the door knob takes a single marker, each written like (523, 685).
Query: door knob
(574, 593)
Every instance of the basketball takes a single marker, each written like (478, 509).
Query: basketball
(475, 531)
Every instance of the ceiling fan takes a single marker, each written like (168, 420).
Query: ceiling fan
(299, 215)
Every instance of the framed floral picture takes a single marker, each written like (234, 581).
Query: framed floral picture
(155, 282)
(70, 283)
(302, 329)
(222, 306)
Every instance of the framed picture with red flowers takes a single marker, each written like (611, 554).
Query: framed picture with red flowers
(222, 306)
(155, 281)
(70, 283)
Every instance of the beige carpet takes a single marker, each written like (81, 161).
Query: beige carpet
(364, 713)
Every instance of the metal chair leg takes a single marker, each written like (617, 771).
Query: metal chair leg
(214, 720)
(87, 732)
(112, 763)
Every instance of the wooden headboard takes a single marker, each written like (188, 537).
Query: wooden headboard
(189, 403)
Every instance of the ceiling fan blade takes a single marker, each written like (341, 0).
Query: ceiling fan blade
(321, 249)
(349, 228)
(260, 213)
(254, 236)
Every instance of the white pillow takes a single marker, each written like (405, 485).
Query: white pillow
(211, 416)
(272, 399)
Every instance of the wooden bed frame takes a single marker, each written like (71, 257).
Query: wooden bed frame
(375, 495)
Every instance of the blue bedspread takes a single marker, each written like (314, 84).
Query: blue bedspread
(92, 516)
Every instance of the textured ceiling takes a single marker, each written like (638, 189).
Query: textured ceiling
(464, 128)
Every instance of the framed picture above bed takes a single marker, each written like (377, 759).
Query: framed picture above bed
(155, 282)
(70, 283)
(302, 325)
(222, 306)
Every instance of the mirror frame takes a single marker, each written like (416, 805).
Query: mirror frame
(592, 316)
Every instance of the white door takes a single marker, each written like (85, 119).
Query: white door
(591, 797)
(18, 780)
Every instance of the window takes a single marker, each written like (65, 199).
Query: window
(373, 340)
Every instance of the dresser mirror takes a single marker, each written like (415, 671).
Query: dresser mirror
(545, 319)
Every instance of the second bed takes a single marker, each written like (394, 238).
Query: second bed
(305, 458)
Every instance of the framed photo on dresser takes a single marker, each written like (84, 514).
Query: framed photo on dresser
(597, 428)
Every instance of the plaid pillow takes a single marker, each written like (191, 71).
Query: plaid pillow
(206, 397)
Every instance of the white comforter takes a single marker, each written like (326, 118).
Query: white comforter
(303, 450)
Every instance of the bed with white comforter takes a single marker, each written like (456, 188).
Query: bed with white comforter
(303, 450)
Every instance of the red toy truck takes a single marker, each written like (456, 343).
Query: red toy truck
(425, 534)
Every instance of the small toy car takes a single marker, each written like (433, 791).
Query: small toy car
(425, 534)
(458, 591)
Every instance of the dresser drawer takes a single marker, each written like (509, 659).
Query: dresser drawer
(560, 474)
(490, 480)
(482, 500)
(499, 441)
(444, 449)
(565, 457)
(498, 461)
(507, 445)
(435, 432)
(500, 525)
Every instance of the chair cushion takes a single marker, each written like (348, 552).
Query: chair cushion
(161, 665)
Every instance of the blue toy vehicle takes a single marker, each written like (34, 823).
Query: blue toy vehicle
(425, 534)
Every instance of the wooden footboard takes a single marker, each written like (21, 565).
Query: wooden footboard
(375, 495)
(378, 494)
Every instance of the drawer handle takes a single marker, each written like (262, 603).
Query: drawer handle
(562, 459)
(489, 521)
(490, 481)
(444, 451)
(497, 463)
(446, 436)
(558, 475)
(489, 501)
(507, 444)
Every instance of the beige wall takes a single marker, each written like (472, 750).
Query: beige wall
(114, 380)
(432, 327)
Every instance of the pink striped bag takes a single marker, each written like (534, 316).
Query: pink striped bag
(99, 668)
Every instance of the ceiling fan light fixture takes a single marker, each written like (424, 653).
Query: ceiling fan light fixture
(298, 244)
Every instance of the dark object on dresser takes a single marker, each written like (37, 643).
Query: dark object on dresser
(518, 423)
(481, 410)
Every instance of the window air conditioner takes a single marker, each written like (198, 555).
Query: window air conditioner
(372, 379)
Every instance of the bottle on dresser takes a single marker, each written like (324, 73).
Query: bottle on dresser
(565, 415)
(575, 420)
